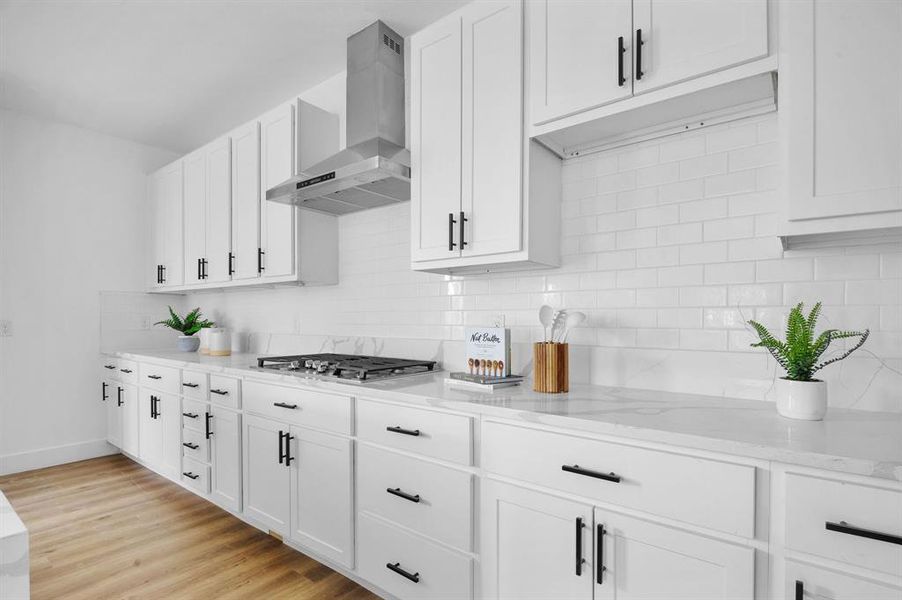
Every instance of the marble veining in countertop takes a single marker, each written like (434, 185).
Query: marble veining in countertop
(850, 441)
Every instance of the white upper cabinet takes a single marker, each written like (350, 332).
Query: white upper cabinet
(167, 251)
(277, 147)
(435, 139)
(580, 55)
(840, 116)
(218, 256)
(471, 207)
(683, 39)
(195, 199)
(246, 201)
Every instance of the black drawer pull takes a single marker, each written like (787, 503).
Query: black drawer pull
(126, 370)
(191, 385)
(283, 405)
(599, 554)
(843, 527)
(451, 223)
(579, 546)
(396, 567)
(588, 473)
(190, 415)
(620, 52)
(119, 401)
(104, 386)
(219, 392)
(397, 492)
(639, 44)
(800, 590)
(402, 431)
(155, 377)
(110, 367)
(208, 432)
(190, 475)
(190, 445)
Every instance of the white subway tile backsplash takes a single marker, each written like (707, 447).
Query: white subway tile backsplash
(669, 246)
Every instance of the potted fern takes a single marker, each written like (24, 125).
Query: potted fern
(799, 394)
(187, 326)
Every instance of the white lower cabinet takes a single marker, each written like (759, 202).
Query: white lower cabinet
(225, 458)
(127, 398)
(537, 545)
(113, 412)
(266, 478)
(159, 431)
(807, 582)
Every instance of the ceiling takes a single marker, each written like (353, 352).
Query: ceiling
(176, 74)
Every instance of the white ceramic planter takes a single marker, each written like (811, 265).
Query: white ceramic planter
(187, 343)
(805, 400)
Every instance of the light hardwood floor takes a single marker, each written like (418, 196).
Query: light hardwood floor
(109, 528)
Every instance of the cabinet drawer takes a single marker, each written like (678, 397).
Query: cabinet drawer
(426, 497)
(439, 435)
(194, 385)
(225, 391)
(825, 584)
(109, 368)
(196, 475)
(299, 406)
(194, 415)
(195, 445)
(705, 492)
(125, 371)
(853, 512)
(439, 573)
(157, 377)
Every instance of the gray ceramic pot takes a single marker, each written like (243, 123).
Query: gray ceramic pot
(188, 343)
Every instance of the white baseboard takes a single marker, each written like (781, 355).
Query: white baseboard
(57, 455)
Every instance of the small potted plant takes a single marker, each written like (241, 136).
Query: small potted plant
(799, 394)
(187, 326)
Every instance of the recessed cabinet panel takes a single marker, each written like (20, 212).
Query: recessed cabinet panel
(165, 190)
(195, 199)
(225, 427)
(246, 201)
(219, 212)
(682, 40)
(435, 141)
(575, 56)
(110, 397)
(266, 477)
(129, 397)
(277, 220)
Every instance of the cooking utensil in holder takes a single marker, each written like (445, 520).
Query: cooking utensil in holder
(552, 369)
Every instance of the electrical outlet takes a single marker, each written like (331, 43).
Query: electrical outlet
(6, 328)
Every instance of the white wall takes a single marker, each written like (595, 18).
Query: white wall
(71, 225)
(669, 246)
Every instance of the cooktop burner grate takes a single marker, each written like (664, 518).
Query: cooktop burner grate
(346, 366)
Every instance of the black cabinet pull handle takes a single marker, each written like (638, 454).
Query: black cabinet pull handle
(260, 254)
(203, 268)
(208, 432)
(281, 451)
(843, 527)
(153, 407)
(126, 370)
(190, 385)
(190, 445)
(288, 456)
(620, 52)
(283, 405)
(190, 415)
(599, 554)
(402, 431)
(589, 473)
(155, 377)
(396, 567)
(800, 589)
(110, 367)
(231, 263)
(639, 44)
(198, 269)
(463, 243)
(397, 492)
(119, 396)
(579, 546)
(219, 392)
(158, 273)
(162, 273)
(190, 475)
(103, 395)
(451, 222)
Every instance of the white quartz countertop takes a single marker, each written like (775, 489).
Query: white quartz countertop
(848, 441)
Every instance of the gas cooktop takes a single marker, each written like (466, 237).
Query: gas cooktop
(352, 368)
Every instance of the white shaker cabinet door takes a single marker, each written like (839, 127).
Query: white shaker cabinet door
(166, 205)
(435, 140)
(111, 400)
(150, 429)
(267, 489)
(226, 458)
(195, 203)
(636, 559)
(170, 419)
(130, 413)
(491, 197)
(535, 545)
(580, 56)
(246, 201)
(218, 212)
(841, 107)
(321, 475)
(682, 39)
(276, 165)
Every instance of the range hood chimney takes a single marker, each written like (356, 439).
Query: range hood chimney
(374, 169)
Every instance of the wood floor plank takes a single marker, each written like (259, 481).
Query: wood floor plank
(109, 528)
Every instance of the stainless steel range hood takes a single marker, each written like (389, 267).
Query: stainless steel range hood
(374, 169)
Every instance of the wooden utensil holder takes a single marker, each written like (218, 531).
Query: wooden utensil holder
(552, 368)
